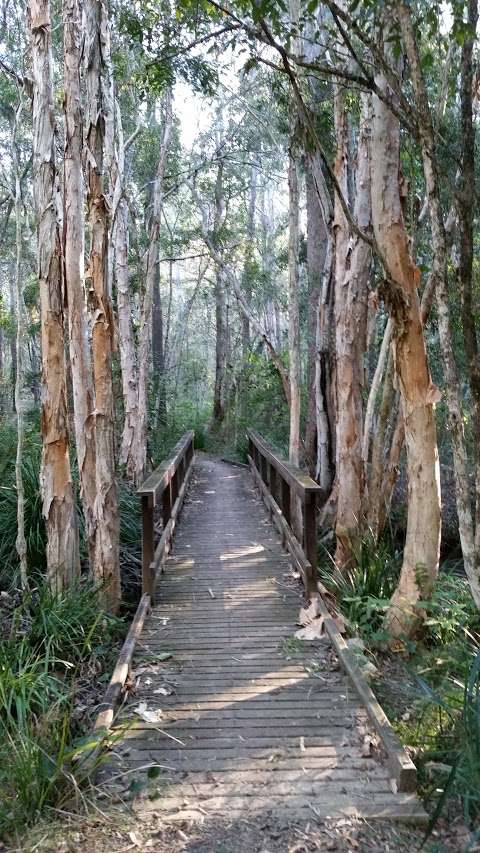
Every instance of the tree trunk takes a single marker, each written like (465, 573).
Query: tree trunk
(128, 362)
(221, 343)
(293, 309)
(422, 543)
(150, 277)
(126, 342)
(158, 350)
(21, 543)
(352, 273)
(74, 225)
(294, 445)
(466, 207)
(325, 409)
(316, 256)
(106, 552)
(59, 508)
(439, 271)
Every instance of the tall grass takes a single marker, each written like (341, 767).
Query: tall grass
(34, 524)
(52, 640)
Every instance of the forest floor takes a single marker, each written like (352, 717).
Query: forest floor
(118, 830)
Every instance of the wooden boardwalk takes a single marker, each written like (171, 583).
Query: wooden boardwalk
(243, 717)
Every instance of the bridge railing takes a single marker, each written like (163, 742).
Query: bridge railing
(279, 482)
(164, 489)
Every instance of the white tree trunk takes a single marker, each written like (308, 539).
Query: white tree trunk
(352, 271)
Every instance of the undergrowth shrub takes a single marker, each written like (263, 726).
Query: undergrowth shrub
(34, 524)
(49, 642)
(364, 590)
(441, 684)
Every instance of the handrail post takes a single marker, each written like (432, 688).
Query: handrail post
(263, 469)
(166, 504)
(273, 482)
(148, 545)
(310, 535)
(286, 506)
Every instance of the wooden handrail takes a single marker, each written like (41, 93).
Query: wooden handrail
(154, 486)
(279, 479)
(295, 477)
(166, 486)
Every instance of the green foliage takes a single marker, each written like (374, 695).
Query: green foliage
(451, 612)
(457, 743)
(260, 402)
(48, 641)
(443, 720)
(364, 590)
(27, 685)
(34, 525)
(67, 626)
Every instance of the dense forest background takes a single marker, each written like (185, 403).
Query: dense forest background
(254, 214)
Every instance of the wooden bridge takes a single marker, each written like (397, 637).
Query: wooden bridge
(236, 714)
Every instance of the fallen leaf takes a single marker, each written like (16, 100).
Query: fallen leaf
(152, 716)
(164, 691)
(302, 744)
(308, 614)
(312, 631)
(367, 747)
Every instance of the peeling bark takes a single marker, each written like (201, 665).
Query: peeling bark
(352, 272)
(73, 253)
(21, 544)
(293, 311)
(325, 342)
(105, 566)
(152, 260)
(316, 256)
(59, 510)
(422, 542)
(439, 273)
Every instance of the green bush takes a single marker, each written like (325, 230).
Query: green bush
(34, 524)
(52, 639)
(364, 590)
(67, 626)
(457, 744)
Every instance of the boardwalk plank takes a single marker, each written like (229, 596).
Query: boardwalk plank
(247, 726)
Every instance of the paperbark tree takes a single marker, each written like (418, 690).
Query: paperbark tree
(293, 307)
(352, 272)
(221, 340)
(151, 273)
(325, 340)
(316, 252)
(74, 269)
(59, 510)
(439, 271)
(126, 342)
(422, 541)
(465, 208)
(17, 302)
(106, 550)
